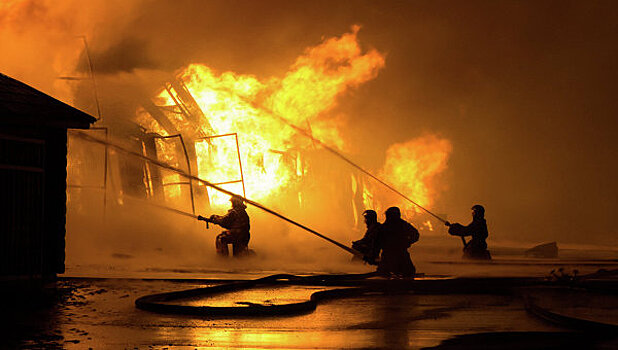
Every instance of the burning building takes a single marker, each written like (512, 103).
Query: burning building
(33, 151)
(263, 138)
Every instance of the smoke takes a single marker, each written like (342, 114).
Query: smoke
(125, 57)
(42, 40)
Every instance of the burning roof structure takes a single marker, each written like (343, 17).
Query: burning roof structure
(242, 133)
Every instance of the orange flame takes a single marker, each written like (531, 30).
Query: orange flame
(413, 166)
(271, 151)
(245, 105)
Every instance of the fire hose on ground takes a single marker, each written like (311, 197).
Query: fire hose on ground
(160, 303)
(359, 285)
(353, 285)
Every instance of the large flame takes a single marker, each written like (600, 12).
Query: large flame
(413, 166)
(252, 108)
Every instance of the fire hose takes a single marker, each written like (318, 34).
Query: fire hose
(349, 285)
(354, 285)
(160, 303)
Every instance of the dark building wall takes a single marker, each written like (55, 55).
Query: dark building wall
(33, 200)
(33, 149)
(55, 200)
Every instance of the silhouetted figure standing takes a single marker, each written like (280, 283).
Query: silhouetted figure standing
(394, 239)
(476, 248)
(236, 221)
(368, 244)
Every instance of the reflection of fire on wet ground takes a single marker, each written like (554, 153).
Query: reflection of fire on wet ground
(261, 296)
(109, 319)
(100, 313)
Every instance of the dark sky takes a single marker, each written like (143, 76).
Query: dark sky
(525, 91)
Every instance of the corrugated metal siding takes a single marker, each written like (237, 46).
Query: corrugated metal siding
(22, 189)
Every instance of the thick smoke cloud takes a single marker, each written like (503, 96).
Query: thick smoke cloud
(524, 91)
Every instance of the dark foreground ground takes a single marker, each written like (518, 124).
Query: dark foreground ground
(84, 313)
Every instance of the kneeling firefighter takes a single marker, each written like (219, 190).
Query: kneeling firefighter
(476, 248)
(236, 221)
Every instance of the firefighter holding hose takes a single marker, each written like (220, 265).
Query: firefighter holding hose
(236, 223)
(368, 244)
(476, 248)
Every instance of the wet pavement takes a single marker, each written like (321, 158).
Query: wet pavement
(100, 314)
